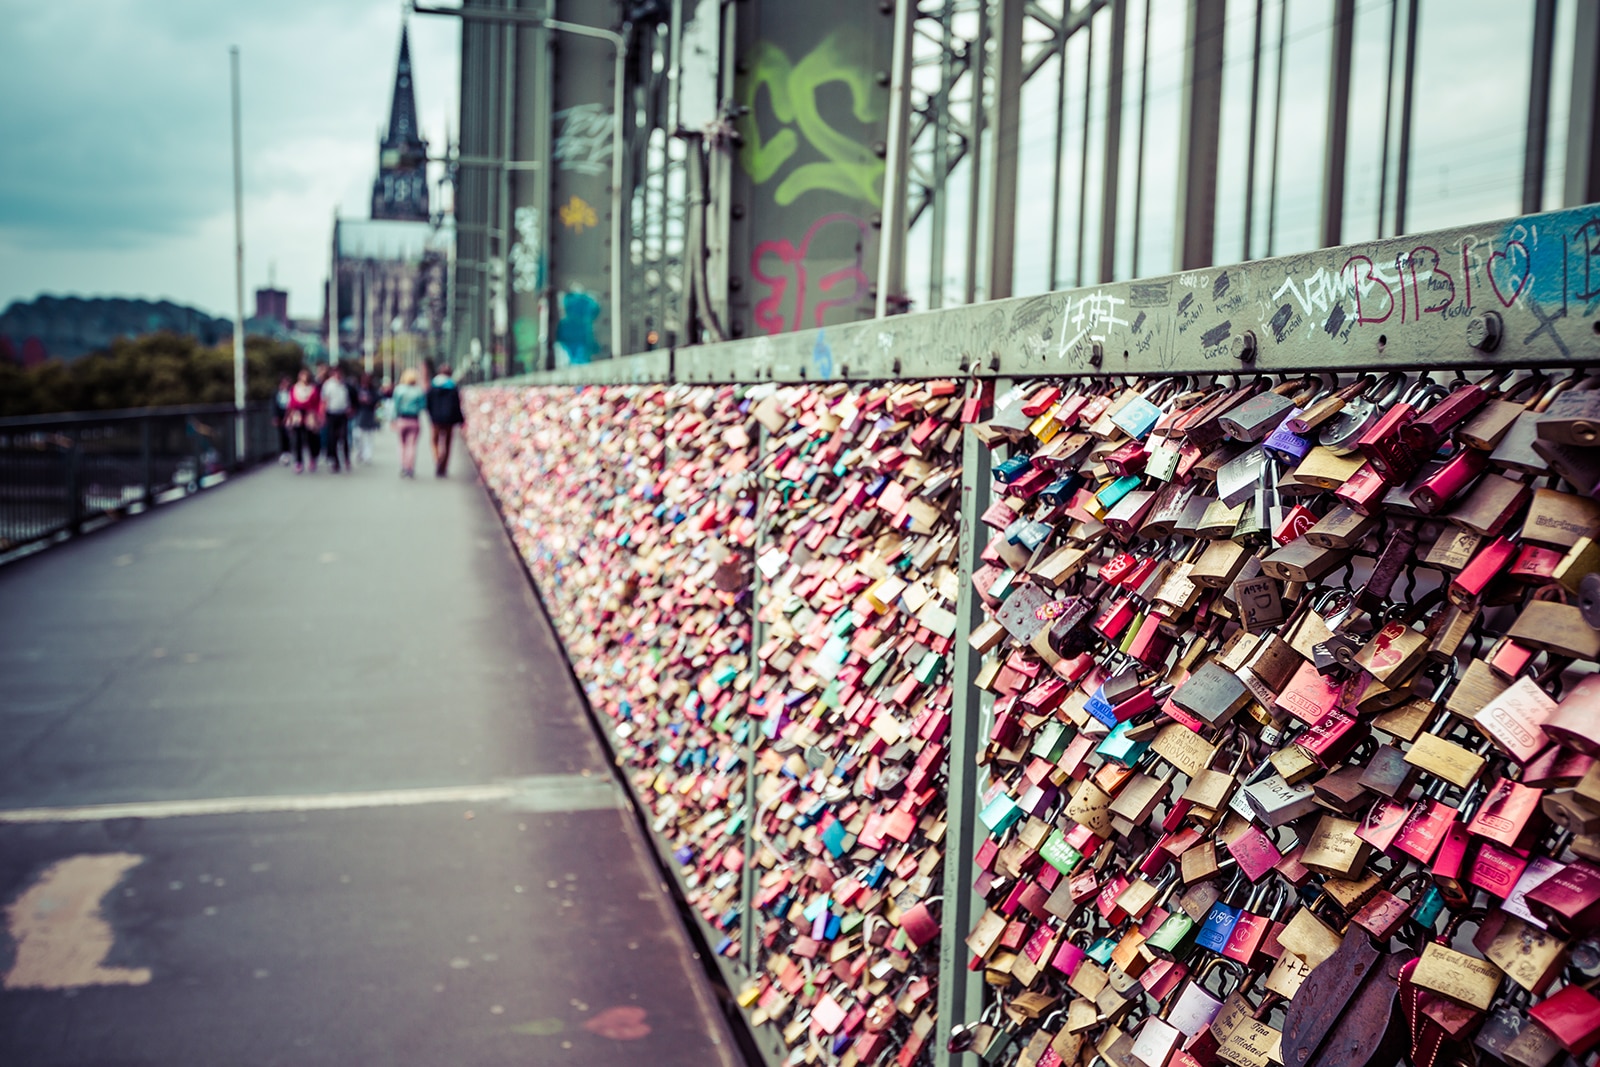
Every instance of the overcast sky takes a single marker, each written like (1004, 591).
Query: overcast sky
(116, 177)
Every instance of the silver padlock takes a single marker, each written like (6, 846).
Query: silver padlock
(1340, 433)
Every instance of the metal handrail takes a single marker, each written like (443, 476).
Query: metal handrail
(62, 472)
(1515, 292)
(80, 418)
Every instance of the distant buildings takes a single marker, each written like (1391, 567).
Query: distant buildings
(391, 271)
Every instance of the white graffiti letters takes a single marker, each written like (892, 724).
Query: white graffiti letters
(583, 139)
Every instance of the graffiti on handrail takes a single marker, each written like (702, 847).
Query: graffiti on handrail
(1547, 266)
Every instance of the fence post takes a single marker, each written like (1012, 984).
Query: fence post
(74, 482)
(750, 929)
(199, 453)
(960, 990)
(147, 462)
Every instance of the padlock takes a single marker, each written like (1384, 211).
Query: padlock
(1556, 628)
(1484, 429)
(1507, 814)
(1465, 979)
(1575, 720)
(1572, 1016)
(1256, 920)
(1450, 481)
(1259, 415)
(1573, 418)
(1341, 433)
(1568, 901)
(1529, 955)
(1425, 433)
(1515, 450)
(1381, 443)
(1326, 406)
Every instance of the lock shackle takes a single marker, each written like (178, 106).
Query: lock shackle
(1393, 387)
(1526, 388)
(1555, 390)
(1460, 919)
(1215, 963)
(1357, 388)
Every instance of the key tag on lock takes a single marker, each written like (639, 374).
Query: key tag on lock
(1340, 434)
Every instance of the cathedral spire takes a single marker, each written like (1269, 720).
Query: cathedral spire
(403, 103)
(401, 189)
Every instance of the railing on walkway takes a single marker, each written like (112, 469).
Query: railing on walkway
(62, 471)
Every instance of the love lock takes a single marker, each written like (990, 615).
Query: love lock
(1589, 599)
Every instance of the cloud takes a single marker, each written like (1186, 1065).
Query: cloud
(117, 176)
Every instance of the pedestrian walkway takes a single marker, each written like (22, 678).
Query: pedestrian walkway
(295, 773)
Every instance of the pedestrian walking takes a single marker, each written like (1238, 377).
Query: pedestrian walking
(336, 411)
(409, 403)
(305, 419)
(280, 420)
(366, 418)
(445, 414)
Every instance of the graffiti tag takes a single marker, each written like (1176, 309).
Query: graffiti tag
(583, 139)
(527, 255)
(576, 215)
(849, 282)
(848, 167)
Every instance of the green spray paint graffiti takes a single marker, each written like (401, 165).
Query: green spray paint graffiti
(850, 168)
(525, 337)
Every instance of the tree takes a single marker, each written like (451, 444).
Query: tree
(155, 370)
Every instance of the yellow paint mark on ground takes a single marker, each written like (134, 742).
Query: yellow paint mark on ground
(61, 936)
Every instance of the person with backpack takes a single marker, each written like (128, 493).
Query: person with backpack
(409, 403)
(445, 414)
(366, 418)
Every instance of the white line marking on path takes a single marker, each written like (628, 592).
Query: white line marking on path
(552, 792)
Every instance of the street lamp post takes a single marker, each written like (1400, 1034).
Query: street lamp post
(238, 271)
(618, 106)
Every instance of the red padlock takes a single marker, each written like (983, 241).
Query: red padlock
(1572, 1015)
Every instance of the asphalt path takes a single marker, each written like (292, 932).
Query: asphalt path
(293, 772)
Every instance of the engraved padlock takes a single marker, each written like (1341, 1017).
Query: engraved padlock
(1573, 418)
(1258, 416)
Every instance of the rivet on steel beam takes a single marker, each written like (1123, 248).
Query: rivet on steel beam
(1244, 347)
(896, 366)
(994, 362)
(1484, 331)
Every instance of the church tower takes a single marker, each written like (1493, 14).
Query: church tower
(401, 190)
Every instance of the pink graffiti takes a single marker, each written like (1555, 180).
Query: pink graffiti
(769, 313)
